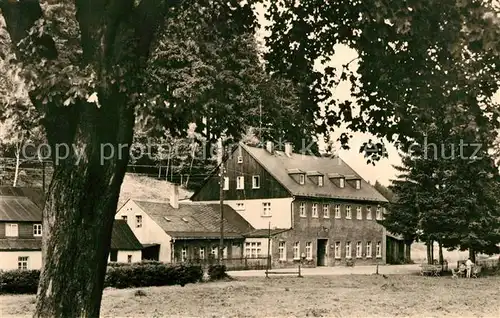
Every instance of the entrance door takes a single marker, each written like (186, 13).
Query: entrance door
(321, 252)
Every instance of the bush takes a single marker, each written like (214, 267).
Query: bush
(123, 275)
(217, 272)
(19, 282)
(156, 274)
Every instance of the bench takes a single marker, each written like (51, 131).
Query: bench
(430, 270)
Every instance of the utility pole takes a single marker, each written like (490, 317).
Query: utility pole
(221, 195)
(43, 177)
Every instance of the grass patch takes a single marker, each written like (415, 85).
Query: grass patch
(311, 296)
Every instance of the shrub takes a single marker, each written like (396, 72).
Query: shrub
(156, 274)
(122, 275)
(217, 272)
(19, 282)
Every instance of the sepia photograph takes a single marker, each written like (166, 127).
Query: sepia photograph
(249, 158)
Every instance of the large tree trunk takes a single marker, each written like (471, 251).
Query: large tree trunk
(441, 257)
(408, 251)
(79, 210)
(83, 194)
(429, 252)
(472, 255)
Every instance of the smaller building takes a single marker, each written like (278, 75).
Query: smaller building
(125, 247)
(176, 231)
(21, 232)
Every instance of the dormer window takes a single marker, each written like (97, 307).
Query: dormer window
(320, 181)
(342, 182)
(358, 184)
(302, 179)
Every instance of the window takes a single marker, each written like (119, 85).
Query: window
(240, 159)
(240, 183)
(240, 206)
(214, 251)
(226, 183)
(337, 250)
(379, 213)
(369, 213)
(113, 256)
(266, 208)
(303, 210)
(337, 211)
(253, 249)
(224, 252)
(315, 210)
(358, 184)
(256, 182)
(129, 258)
(296, 250)
(320, 181)
(302, 179)
(37, 230)
(138, 221)
(282, 250)
(342, 182)
(326, 211)
(11, 229)
(184, 254)
(369, 249)
(359, 215)
(348, 212)
(379, 249)
(202, 253)
(309, 250)
(124, 218)
(22, 262)
(359, 250)
(348, 250)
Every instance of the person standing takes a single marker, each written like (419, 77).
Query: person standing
(469, 265)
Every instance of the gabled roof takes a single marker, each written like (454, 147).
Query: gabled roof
(34, 194)
(195, 220)
(122, 237)
(19, 209)
(279, 165)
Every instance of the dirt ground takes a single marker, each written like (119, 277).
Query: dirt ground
(311, 296)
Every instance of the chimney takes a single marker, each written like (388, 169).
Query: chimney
(270, 147)
(288, 149)
(174, 198)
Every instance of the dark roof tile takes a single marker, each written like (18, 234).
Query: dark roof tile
(201, 218)
(279, 166)
(123, 238)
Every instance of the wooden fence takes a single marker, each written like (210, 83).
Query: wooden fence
(233, 264)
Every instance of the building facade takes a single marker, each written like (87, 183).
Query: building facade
(21, 232)
(321, 211)
(176, 232)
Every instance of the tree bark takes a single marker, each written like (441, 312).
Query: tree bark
(79, 211)
(408, 251)
(441, 258)
(18, 159)
(429, 252)
(472, 255)
(82, 197)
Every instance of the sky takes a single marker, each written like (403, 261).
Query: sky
(383, 170)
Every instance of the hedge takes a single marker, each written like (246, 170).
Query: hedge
(117, 276)
(217, 272)
(19, 281)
